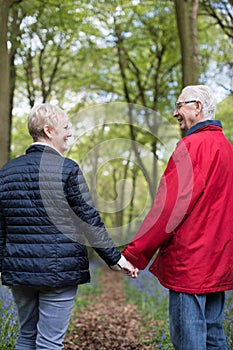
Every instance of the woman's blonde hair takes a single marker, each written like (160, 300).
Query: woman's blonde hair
(41, 115)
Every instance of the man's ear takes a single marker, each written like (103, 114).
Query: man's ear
(199, 106)
(48, 131)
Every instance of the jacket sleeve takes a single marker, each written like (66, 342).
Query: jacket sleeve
(181, 185)
(88, 220)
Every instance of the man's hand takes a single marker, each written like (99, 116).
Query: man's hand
(131, 270)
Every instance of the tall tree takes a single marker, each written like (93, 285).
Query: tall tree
(16, 17)
(186, 15)
(4, 83)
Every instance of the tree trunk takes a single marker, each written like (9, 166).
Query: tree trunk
(122, 66)
(186, 16)
(4, 84)
(14, 39)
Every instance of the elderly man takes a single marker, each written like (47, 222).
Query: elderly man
(191, 223)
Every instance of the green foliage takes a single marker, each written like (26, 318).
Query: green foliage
(224, 113)
(20, 136)
(79, 54)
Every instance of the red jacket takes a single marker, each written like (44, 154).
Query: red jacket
(191, 221)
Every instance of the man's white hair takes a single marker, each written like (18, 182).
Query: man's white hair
(204, 94)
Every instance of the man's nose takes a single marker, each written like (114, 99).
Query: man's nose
(175, 113)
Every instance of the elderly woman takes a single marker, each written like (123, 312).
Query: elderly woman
(46, 214)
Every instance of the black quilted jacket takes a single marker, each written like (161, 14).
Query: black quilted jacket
(47, 218)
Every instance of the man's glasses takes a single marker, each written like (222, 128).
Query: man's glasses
(181, 103)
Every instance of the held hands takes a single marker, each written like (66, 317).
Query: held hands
(126, 267)
(130, 270)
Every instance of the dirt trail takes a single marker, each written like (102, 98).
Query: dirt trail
(108, 323)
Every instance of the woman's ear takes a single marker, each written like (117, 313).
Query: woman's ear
(48, 131)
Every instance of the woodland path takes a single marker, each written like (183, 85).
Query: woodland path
(108, 323)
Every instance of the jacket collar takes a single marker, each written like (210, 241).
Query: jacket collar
(203, 124)
(41, 147)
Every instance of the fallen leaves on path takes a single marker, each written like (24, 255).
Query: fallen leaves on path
(108, 323)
